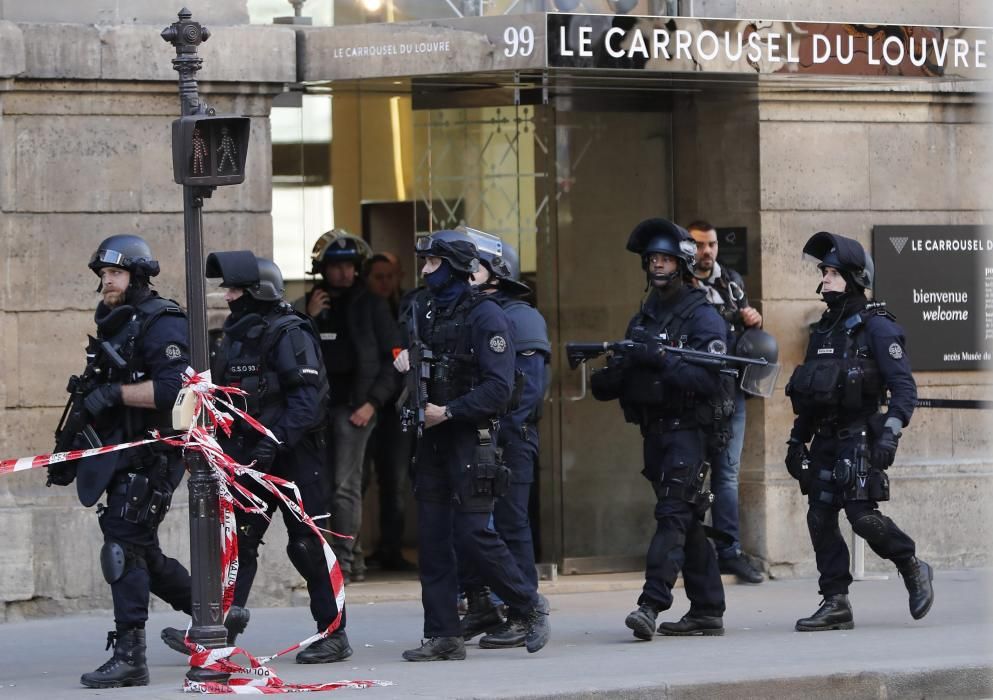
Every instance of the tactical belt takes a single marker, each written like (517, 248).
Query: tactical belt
(667, 425)
(831, 429)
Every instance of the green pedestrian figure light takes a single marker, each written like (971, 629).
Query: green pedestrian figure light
(228, 150)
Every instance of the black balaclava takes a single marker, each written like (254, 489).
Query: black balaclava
(446, 284)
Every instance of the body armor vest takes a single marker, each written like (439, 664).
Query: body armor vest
(126, 340)
(244, 361)
(455, 370)
(838, 374)
(645, 387)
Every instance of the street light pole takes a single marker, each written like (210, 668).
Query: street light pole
(205, 535)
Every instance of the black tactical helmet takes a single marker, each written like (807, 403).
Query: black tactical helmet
(843, 254)
(662, 236)
(454, 246)
(756, 344)
(127, 252)
(500, 259)
(259, 277)
(337, 245)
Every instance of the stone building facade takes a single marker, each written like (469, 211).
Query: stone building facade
(87, 94)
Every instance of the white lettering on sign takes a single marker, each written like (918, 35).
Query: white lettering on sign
(706, 45)
(519, 41)
(375, 50)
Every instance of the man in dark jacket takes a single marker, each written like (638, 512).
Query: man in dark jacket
(358, 335)
(669, 398)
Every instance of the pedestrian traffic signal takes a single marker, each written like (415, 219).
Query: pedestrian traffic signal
(209, 150)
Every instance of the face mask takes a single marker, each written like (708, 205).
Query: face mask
(438, 279)
(241, 305)
(832, 298)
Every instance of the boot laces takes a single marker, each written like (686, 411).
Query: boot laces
(111, 641)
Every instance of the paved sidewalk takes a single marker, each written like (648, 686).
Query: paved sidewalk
(592, 655)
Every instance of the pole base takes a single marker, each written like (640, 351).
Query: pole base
(210, 636)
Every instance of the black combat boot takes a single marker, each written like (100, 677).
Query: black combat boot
(538, 628)
(438, 649)
(235, 622)
(742, 568)
(694, 625)
(509, 635)
(642, 622)
(332, 648)
(482, 615)
(835, 613)
(126, 667)
(917, 576)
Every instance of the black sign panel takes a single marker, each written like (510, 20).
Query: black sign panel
(731, 249)
(938, 281)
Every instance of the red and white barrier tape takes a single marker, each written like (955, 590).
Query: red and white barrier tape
(200, 437)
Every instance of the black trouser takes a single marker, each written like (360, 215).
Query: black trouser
(146, 569)
(510, 513)
(825, 501)
(389, 450)
(305, 548)
(679, 542)
(453, 523)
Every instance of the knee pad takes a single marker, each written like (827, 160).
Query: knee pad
(307, 555)
(116, 560)
(871, 527)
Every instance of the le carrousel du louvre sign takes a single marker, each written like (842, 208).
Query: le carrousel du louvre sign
(655, 44)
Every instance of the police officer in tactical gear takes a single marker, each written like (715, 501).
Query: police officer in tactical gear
(499, 276)
(272, 352)
(358, 335)
(150, 334)
(457, 470)
(856, 354)
(672, 401)
(725, 289)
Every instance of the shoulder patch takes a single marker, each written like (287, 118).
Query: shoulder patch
(498, 343)
(896, 352)
(717, 347)
(173, 352)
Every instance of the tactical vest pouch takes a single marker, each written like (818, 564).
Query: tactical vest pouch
(489, 478)
(644, 386)
(851, 392)
(815, 385)
(879, 485)
(714, 415)
(135, 498)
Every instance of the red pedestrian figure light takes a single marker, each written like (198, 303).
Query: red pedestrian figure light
(199, 153)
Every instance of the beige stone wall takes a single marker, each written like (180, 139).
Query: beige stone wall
(85, 115)
(843, 162)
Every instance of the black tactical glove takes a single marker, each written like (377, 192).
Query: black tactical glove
(61, 474)
(884, 449)
(647, 354)
(264, 454)
(103, 398)
(798, 460)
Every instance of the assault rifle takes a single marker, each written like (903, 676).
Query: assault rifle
(761, 385)
(414, 396)
(75, 420)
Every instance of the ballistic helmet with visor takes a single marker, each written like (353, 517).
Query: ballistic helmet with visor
(759, 380)
(337, 245)
(663, 236)
(844, 254)
(454, 246)
(126, 251)
(500, 259)
(261, 278)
